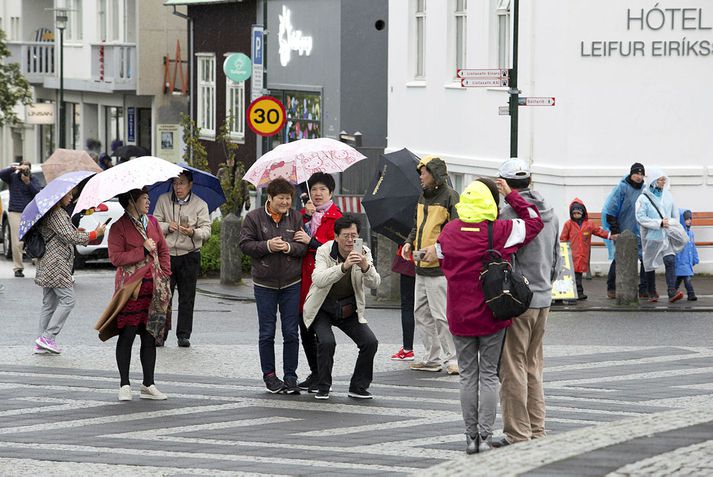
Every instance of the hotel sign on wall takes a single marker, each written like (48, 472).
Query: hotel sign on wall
(691, 27)
(39, 113)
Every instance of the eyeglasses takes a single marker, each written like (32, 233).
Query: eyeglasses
(349, 236)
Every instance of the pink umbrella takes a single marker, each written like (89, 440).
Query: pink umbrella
(133, 174)
(296, 161)
(68, 160)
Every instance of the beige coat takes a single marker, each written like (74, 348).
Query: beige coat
(168, 210)
(327, 272)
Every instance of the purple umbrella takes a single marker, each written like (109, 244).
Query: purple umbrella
(49, 197)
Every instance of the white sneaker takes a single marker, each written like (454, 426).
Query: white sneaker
(125, 393)
(152, 393)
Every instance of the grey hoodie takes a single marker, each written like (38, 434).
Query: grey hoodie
(539, 261)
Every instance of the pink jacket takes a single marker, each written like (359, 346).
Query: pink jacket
(126, 246)
(464, 246)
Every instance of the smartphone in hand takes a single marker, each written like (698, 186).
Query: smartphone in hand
(359, 245)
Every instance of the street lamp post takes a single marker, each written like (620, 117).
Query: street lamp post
(61, 23)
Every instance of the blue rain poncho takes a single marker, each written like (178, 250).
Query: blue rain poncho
(656, 242)
(621, 204)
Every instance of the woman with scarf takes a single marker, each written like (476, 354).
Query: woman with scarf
(463, 247)
(138, 250)
(657, 215)
(319, 214)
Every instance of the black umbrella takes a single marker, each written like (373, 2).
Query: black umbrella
(126, 152)
(390, 201)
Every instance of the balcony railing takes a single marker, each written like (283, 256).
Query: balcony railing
(114, 64)
(36, 59)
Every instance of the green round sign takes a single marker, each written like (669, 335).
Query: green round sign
(237, 67)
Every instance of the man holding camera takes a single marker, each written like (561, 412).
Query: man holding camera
(23, 188)
(343, 267)
(185, 222)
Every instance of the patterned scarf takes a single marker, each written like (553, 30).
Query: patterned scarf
(161, 296)
(316, 220)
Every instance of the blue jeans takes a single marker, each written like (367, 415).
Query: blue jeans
(288, 301)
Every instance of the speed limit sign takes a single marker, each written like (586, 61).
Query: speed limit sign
(266, 116)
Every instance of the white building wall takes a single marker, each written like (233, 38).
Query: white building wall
(610, 111)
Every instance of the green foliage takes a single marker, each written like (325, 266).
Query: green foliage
(14, 88)
(237, 191)
(195, 154)
(210, 252)
(246, 264)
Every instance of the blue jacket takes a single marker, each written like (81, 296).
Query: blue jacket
(621, 205)
(688, 257)
(20, 193)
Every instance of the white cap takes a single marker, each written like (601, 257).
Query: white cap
(514, 168)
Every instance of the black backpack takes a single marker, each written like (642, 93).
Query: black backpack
(506, 291)
(34, 243)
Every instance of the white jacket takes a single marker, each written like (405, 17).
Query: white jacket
(327, 272)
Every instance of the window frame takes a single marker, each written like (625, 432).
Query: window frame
(206, 94)
(419, 40)
(236, 130)
(503, 28)
(460, 49)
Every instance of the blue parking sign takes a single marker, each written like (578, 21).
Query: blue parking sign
(257, 45)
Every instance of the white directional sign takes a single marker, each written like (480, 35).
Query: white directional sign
(538, 101)
(504, 110)
(486, 73)
(483, 82)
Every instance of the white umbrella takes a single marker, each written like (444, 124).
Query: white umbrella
(133, 174)
(297, 161)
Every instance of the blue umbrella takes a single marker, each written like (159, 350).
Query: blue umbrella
(49, 197)
(205, 185)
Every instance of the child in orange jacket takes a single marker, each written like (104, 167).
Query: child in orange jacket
(578, 231)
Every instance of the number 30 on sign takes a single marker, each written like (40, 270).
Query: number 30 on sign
(266, 116)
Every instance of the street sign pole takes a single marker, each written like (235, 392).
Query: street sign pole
(514, 92)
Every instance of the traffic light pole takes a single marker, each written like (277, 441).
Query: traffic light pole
(514, 92)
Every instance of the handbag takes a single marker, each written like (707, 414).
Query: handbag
(34, 243)
(507, 292)
(677, 237)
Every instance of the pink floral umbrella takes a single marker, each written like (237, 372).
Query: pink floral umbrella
(133, 174)
(297, 161)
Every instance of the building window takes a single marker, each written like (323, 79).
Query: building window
(114, 19)
(235, 109)
(114, 124)
(206, 94)
(14, 28)
(503, 15)
(73, 33)
(461, 30)
(420, 40)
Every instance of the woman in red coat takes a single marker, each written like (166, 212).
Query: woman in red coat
(578, 231)
(319, 214)
(138, 250)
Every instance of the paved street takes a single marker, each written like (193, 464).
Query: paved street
(627, 394)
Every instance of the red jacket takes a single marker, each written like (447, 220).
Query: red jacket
(126, 246)
(580, 237)
(324, 233)
(464, 247)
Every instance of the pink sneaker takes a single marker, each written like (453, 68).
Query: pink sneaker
(38, 350)
(49, 344)
(402, 355)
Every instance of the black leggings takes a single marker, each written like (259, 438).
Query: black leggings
(147, 354)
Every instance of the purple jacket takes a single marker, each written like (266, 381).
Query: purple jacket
(464, 248)
(20, 193)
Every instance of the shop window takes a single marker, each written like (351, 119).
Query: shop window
(235, 109)
(206, 94)
(114, 123)
(304, 115)
(503, 18)
(419, 46)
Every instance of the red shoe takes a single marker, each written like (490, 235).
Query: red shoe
(676, 297)
(402, 355)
